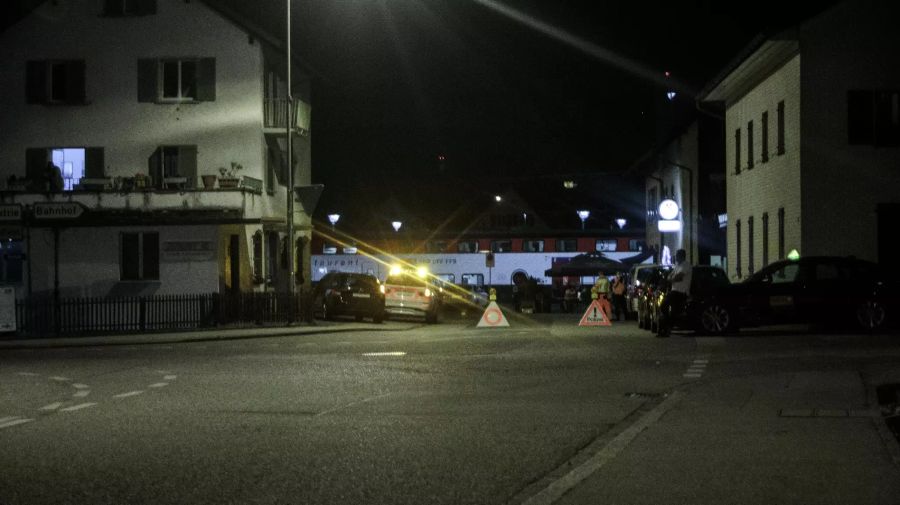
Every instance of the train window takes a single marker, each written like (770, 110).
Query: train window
(501, 246)
(533, 246)
(446, 277)
(606, 244)
(467, 246)
(473, 279)
(437, 246)
(566, 245)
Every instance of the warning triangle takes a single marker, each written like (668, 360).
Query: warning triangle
(595, 316)
(493, 317)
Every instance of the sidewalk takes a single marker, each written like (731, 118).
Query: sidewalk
(211, 334)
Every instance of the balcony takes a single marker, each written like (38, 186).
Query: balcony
(275, 115)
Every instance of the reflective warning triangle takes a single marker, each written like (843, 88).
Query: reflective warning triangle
(493, 317)
(595, 315)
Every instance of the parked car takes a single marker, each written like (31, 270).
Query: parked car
(637, 281)
(645, 290)
(826, 290)
(349, 294)
(707, 284)
(411, 293)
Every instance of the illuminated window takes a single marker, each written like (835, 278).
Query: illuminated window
(501, 246)
(607, 244)
(473, 279)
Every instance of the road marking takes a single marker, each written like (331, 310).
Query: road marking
(692, 375)
(701, 361)
(126, 395)
(158, 385)
(60, 379)
(607, 453)
(392, 353)
(351, 404)
(170, 377)
(81, 394)
(81, 386)
(14, 422)
(52, 406)
(80, 406)
(29, 374)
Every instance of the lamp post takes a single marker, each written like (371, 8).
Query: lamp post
(396, 225)
(333, 219)
(583, 215)
(690, 206)
(621, 222)
(290, 161)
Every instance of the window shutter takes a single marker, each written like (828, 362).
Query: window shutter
(206, 80)
(36, 82)
(35, 163)
(75, 82)
(145, 7)
(187, 164)
(147, 80)
(94, 166)
(154, 167)
(151, 256)
(130, 270)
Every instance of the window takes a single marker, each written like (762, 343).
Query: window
(566, 245)
(737, 249)
(139, 256)
(473, 279)
(74, 164)
(121, 8)
(173, 166)
(258, 257)
(750, 145)
(501, 246)
(780, 132)
(873, 118)
(11, 256)
(765, 239)
(781, 233)
(272, 256)
(651, 202)
(437, 246)
(737, 151)
(750, 266)
(533, 246)
(467, 246)
(635, 245)
(765, 136)
(177, 80)
(606, 244)
(786, 274)
(56, 82)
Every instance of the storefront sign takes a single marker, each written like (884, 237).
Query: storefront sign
(10, 212)
(188, 250)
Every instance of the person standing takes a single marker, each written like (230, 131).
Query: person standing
(602, 287)
(618, 298)
(673, 304)
(569, 297)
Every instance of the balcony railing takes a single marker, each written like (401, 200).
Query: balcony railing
(275, 112)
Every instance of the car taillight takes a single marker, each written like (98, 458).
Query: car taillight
(382, 289)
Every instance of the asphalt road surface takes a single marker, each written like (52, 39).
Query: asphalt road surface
(541, 412)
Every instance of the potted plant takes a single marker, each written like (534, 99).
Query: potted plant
(209, 181)
(229, 176)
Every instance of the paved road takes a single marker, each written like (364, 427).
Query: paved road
(541, 412)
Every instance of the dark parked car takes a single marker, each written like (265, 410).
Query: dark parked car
(707, 283)
(646, 291)
(826, 290)
(349, 294)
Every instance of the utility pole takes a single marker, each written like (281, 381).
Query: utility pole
(290, 161)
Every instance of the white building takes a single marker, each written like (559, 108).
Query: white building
(812, 131)
(137, 102)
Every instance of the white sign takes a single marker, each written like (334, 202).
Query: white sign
(57, 210)
(10, 212)
(668, 209)
(668, 225)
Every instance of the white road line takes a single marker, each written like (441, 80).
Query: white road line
(81, 394)
(60, 379)
(558, 488)
(14, 422)
(170, 377)
(81, 386)
(393, 353)
(52, 406)
(29, 374)
(158, 385)
(696, 370)
(701, 361)
(80, 406)
(692, 375)
(163, 371)
(126, 395)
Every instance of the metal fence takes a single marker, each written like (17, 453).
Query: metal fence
(80, 316)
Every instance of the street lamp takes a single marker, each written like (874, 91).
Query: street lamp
(621, 222)
(583, 215)
(333, 219)
(498, 198)
(396, 225)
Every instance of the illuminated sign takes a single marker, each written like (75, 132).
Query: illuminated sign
(723, 220)
(668, 209)
(668, 225)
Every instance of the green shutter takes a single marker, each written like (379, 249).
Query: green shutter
(148, 90)
(129, 256)
(206, 80)
(36, 82)
(150, 256)
(187, 164)
(94, 166)
(75, 82)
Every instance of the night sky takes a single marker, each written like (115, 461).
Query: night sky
(398, 83)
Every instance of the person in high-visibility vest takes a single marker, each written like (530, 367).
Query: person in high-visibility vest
(602, 287)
